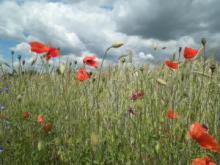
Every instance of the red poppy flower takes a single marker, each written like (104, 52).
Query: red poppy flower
(53, 52)
(90, 60)
(48, 127)
(201, 135)
(38, 47)
(40, 119)
(171, 114)
(203, 161)
(171, 64)
(26, 115)
(82, 74)
(137, 95)
(190, 53)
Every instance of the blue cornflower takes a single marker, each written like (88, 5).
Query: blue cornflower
(4, 90)
(1, 149)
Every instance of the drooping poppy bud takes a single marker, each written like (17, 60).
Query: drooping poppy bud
(203, 41)
(117, 44)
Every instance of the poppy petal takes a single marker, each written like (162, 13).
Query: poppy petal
(38, 47)
(53, 52)
(171, 114)
(190, 53)
(201, 135)
(171, 64)
(90, 61)
(82, 74)
(203, 161)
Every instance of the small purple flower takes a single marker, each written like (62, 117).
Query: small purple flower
(2, 107)
(4, 90)
(1, 149)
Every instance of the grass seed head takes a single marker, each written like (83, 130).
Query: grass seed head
(161, 82)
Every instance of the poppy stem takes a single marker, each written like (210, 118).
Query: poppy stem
(12, 60)
(203, 63)
(103, 59)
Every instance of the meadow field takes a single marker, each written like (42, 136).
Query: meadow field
(123, 114)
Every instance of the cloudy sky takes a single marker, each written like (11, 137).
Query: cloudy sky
(81, 27)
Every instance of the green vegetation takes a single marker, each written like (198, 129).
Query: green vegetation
(105, 126)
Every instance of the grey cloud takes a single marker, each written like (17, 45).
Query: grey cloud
(167, 20)
(86, 26)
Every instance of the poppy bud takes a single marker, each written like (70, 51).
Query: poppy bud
(19, 98)
(93, 80)
(180, 49)
(12, 52)
(203, 41)
(183, 77)
(213, 68)
(23, 62)
(19, 57)
(117, 44)
(122, 60)
(40, 145)
(61, 69)
(142, 69)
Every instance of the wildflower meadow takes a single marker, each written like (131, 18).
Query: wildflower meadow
(120, 114)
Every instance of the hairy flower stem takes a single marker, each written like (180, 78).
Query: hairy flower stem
(100, 70)
(203, 64)
(12, 61)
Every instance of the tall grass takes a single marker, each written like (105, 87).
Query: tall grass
(107, 132)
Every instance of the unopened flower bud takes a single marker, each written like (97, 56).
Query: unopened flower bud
(23, 62)
(122, 60)
(203, 41)
(117, 44)
(19, 57)
(213, 68)
(180, 49)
